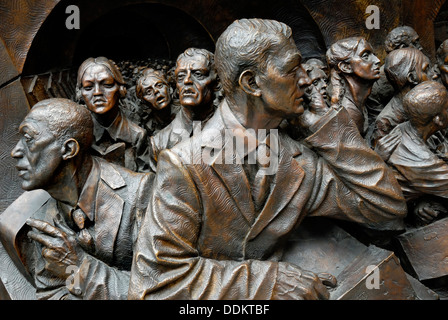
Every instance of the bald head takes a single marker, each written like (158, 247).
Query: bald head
(65, 119)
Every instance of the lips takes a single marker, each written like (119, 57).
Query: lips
(22, 171)
(188, 92)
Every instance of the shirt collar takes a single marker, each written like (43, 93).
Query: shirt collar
(114, 129)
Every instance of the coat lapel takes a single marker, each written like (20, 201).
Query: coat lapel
(287, 180)
(108, 211)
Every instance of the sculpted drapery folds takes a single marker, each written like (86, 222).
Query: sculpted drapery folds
(203, 236)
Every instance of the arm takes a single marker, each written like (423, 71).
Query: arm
(352, 182)
(167, 264)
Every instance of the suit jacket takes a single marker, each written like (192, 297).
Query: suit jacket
(202, 239)
(181, 128)
(118, 203)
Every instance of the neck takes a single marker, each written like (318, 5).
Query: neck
(70, 181)
(252, 115)
(107, 118)
(358, 90)
(198, 113)
(162, 116)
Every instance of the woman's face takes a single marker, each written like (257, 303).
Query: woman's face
(364, 63)
(99, 89)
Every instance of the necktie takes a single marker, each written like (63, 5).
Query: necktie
(262, 180)
(84, 236)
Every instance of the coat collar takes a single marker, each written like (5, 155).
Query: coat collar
(287, 180)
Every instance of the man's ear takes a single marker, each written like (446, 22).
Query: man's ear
(248, 83)
(345, 67)
(412, 78)
(70, 149)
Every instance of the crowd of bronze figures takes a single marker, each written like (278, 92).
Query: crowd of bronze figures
(140, 214)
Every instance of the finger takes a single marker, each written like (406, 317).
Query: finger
(423, 215)
(44, 227)
(431, 212)
(65, 229)
(328, 279)
(43, 239)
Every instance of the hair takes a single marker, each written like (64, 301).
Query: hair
(110, 66)
(399, 63)
(191, 52)
(425, 101)
(147, 73)
(398, 38)
(247, 44)
(67, 119)
(442, 51)
(340, 51)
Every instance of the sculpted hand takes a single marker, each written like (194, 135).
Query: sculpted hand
(428, 211)
(61, 248)
(297, 284)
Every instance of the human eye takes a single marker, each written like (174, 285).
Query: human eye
(149, 92)
(180, 76)
(365, 55)
(28, 138)
(199, 74)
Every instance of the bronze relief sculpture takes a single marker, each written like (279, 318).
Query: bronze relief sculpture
(182, 252)
(237, 153)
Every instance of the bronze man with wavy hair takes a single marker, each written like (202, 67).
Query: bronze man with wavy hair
(216, 229)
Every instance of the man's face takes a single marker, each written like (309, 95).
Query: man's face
(319, 81)
(194, 81)
(38, 153)
(364, 63)
(99, 89)
(414, 41)
(156, 93)
(284, 82)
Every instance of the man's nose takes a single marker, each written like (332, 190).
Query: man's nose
(17, 151)
(187, 79)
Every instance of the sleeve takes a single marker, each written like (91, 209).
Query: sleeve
(167, 264)
(351, 181)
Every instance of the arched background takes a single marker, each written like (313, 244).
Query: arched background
(36, 49)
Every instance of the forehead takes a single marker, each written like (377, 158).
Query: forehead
(363, 46)
(317, 73)
(151, 80)
(35, 121)
(96, 71)
(198, 61)
(285, 54)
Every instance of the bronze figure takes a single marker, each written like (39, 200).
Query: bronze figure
(405, 68)
(100, 85)
(83, 235)
(211, 230)
(416, 164)
(156, 93)
(354, 69)
(197, 86)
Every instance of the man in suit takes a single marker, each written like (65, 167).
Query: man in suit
(419, 168)
(197, 84)
(212, 231)
(83, 235)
